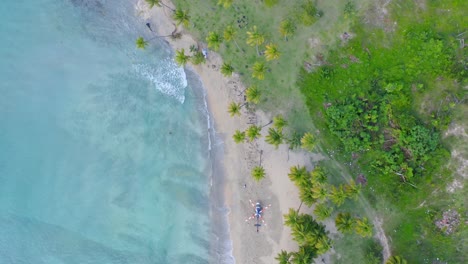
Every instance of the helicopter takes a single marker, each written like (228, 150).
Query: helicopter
(257, 215)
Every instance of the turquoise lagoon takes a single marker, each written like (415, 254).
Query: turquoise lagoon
(105, 150)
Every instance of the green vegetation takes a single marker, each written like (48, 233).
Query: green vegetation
(213, 40)
(381, 84)
(227, 69)
(181, 58)
(234, 109)
(272, 52)
(258, 173)
(181, 17)
(253, 132)
(275, 137)
(239, 136)
(141, 43)
(253, 94)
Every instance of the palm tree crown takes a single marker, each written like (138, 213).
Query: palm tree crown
(272, 52)
(253, 132)
(230, 34)
(344, 222)
(279, 122)
(214, 40)
(352, 190)
(319, 192)
(234, 109)
(287, 28)
(258, 173)
(181, 58)
(308, 141)
(141, 43)
(153, 3)
(258, 70)
(254, 38)
(323, 211)
(337, 195)
(181, 17)
(274, 137)
(227, 69)
(294, 140)
(363, 227)
(298, 174)
(225, 3)
(239, 136)
(396, 260)
(283, 257)
(253, 94)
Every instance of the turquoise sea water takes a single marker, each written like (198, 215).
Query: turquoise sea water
(104, 149)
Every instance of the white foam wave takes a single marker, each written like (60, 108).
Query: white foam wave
(167, 77)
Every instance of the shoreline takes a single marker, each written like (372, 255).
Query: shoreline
(237, 160)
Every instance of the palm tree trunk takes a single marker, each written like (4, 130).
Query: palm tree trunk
(237, 45)
(168, 7)
(258, 53)
(269, 123)
(299, 207)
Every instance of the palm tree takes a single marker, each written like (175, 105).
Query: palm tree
(352, 190)
(253, 94)
(297, 173)
(279, 122)
(396, 260)
(305, 194)
(258, 70)
(292, 218)
(305, 255)
(344, 222)
(318, 175)
(300, 233)
(239, 136)
(214, 40)
(227, 69)
(230, 34)
(319, 192)
(234, 109)
(258, 173)
(308, 141)
(198, 58)
(181, 58)
(153, 3)
(225, 3)
(323, 211)
(323, 244)
(283, 257)
(254, 38)
(272, 52)
(294, 141)
(181, 17)
(274, 137)
(363, 227)
(287, 28)
(337, 195)
(253, 132)
(141, 43)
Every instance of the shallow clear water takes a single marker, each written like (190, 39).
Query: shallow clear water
(103, 148)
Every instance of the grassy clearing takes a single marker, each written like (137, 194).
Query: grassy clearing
(420, 58)
(281, 79)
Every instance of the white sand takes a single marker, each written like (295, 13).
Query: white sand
(276, 189)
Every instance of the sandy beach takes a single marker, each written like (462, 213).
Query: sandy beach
(276, 189)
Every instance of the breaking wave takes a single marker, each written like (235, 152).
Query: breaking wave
(167, 77)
